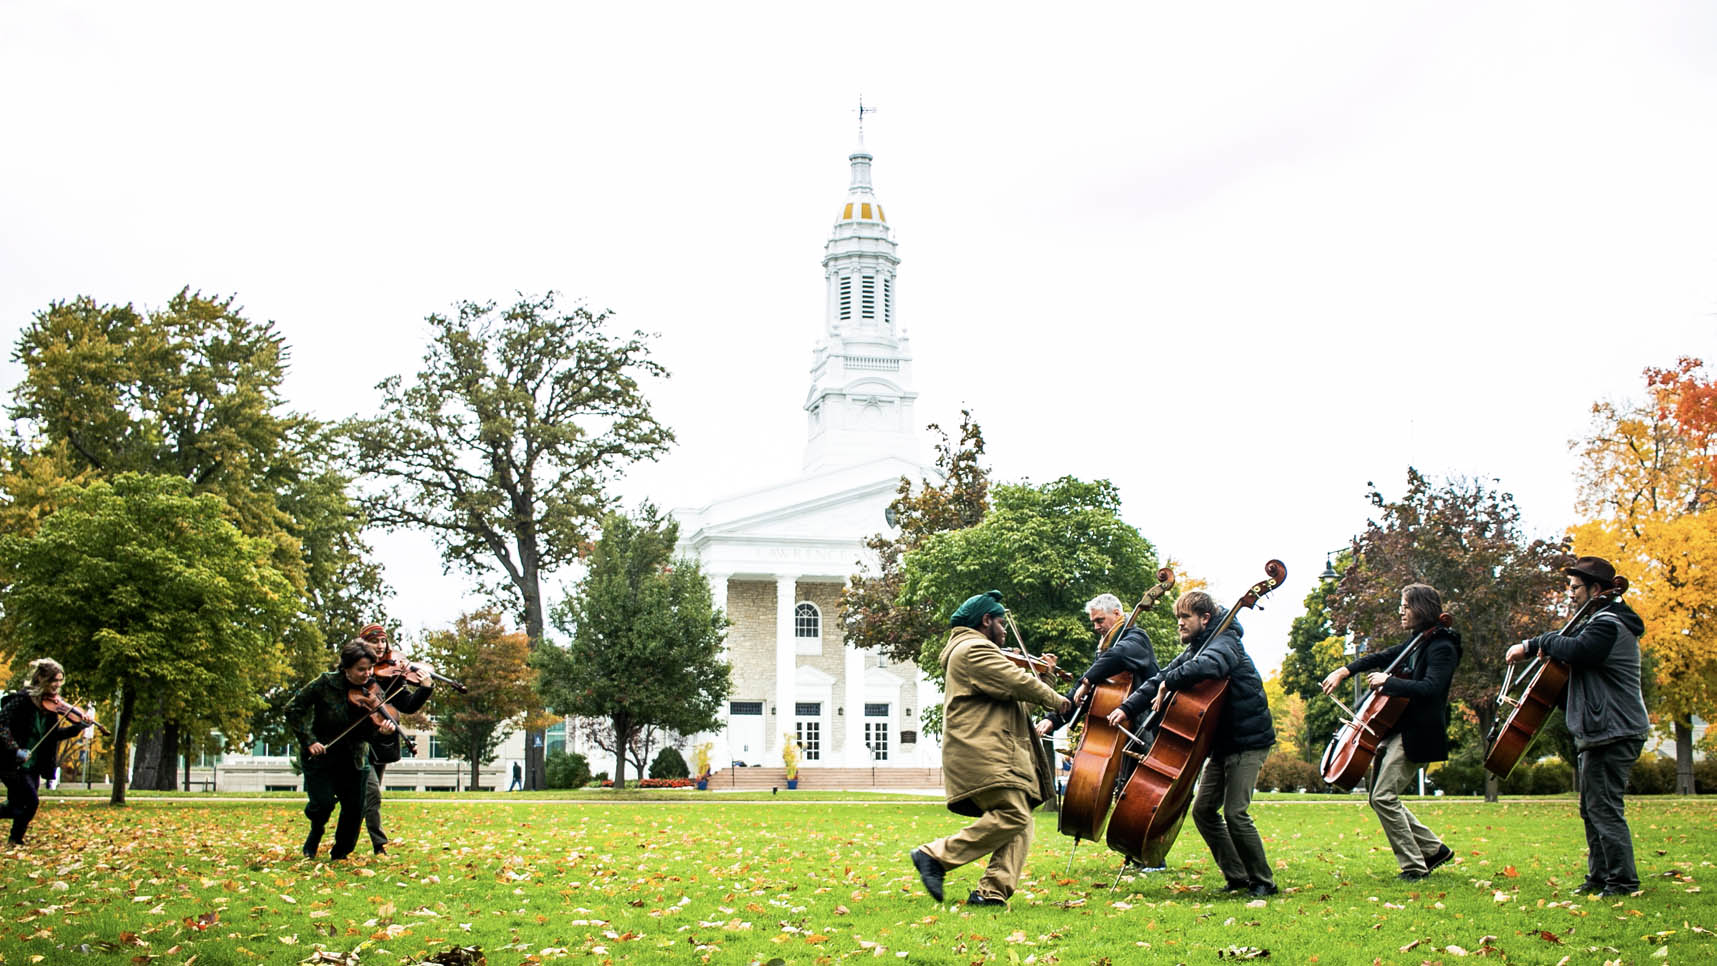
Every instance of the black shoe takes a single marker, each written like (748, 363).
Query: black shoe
(977, 900)
(1412, 876)
(311, 841)
(381, 850)
(1443, 855)
(1262, 889)
(930, 872)
(1589, 887)
(1611, 892)
(1237, 885)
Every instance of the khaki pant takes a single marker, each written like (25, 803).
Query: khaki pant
(1411, 841)
(1219, 809)
(1003, 833)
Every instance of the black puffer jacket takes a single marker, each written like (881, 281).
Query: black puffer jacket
(1245, 724)
(1131, 653)
(1423, 679)
(1604, 703)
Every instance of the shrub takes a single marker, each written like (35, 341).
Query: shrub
(1286, 772)
(1653, 774)
(1460, 778)
(564, 770)
(601, 778)
(667, 783)
(1552, 777)
(1705, 776)
(669, 764)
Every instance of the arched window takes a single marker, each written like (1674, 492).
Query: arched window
(807, 621)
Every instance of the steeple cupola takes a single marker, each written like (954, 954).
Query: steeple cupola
(860, 404)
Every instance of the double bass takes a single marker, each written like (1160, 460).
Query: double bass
(1097, 760)
(1354, 746)
(1546, 689)
(1153, 804)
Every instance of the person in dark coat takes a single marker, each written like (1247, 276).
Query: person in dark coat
(1130, 653)
(334, 737)
(30, 742)
(1606, 714)
(1244, 735)
(1421, 734)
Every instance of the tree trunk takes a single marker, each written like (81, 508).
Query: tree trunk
(1487, 721)
(121, 743)
(158, 760)
(1491, 786)
(476, 752)
(1684, 756)
(536, 775)
(621, 739)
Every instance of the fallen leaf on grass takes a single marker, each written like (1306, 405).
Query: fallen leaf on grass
(1242, 952)
(1549, 937)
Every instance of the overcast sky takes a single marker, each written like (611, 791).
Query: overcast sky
(1238, 258)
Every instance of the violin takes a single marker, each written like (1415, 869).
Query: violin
(1096, 763)
(1355, 743)
(394, 670)
(1546, 689)
(1043, 667)
(71, 714)
(1152, 806)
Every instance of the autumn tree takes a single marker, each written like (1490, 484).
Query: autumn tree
(191, 390)
(145, 591)
(501, 686)
(1647, 492)
(1463, 538)
(504, 445)
(1048, 549)
(874, 615)
(646, 638)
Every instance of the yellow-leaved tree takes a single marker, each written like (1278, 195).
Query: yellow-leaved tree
(1648, 498)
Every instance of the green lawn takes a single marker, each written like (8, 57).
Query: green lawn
(724, 881)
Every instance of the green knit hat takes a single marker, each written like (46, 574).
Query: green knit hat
(971, 613)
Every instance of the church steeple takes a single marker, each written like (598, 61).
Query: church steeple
(859, 407)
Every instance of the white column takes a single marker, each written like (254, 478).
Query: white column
(722, 754)
(854, 750)
(786, 595)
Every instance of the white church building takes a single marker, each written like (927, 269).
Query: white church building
(778, 556)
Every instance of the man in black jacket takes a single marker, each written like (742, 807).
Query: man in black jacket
(30, 739)
(1130, 653)
(1606, 715)
(1421, 734)
(1244, 735)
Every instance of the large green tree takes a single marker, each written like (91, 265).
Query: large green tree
(646, 638)
(1048, 549)
(501, 686)
(873, 612)
(143, 590)
(191, 390)
(504, 445)
(1463, 538)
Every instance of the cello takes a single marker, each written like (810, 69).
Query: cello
(1097, 760)
(1153, 804)
(1546, 688)
(1354, 746)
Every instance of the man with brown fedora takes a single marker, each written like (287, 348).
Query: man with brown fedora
(1606, 715)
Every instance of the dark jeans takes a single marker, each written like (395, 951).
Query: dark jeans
(373, 805)
(340, 785)
(1609, 842)
(21, 801)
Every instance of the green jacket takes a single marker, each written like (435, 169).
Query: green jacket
(320, 712)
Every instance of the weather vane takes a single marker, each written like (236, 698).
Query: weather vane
(862, 111)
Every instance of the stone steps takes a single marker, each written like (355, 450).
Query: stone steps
(828, 778)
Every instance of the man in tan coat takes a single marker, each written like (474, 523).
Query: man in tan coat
(993, 765)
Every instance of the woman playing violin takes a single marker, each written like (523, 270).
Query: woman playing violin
(406, 692)
(33, 722)
(994, 767)
(334, 733)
